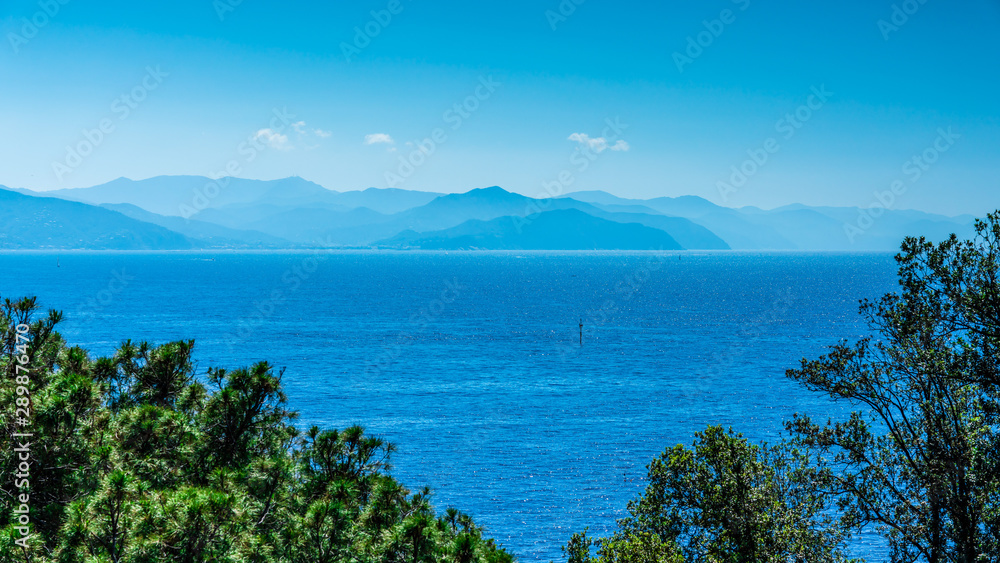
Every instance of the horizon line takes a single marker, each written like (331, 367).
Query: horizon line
(538, 196)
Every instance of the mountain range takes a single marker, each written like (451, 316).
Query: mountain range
(194, 212)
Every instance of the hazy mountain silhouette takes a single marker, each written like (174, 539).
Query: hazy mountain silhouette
(562, 229)
(490, 203)
(209, 233)
(187, 195)
(797, 227)
(728, 224)
(291, 212)
(28, 222)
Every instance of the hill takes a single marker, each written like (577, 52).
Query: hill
(796, 227)
(486, 204)
(294, 212)
(28, 222)
(565, 229)
(187, 195)
(208, 233)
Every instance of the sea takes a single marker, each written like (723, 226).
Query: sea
(527, 389)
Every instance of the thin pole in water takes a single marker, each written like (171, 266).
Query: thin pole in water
(581, 332)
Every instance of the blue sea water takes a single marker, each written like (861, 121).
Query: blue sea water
(472, 363)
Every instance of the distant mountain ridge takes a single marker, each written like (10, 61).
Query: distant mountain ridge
(180, 212)
(187, 195)
(798, 227)
(210, 233)
(560, 229)
(28, 223)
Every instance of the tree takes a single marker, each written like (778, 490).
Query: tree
(246, 417)
(135, 460)
(919, 460)
(724, 501)
(102, 524)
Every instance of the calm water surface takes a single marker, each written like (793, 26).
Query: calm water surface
(472, 364)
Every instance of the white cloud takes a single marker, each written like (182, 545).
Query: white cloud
(279, 138)
(620, 146)
(376, 138)
(598, 144)
(273, 139)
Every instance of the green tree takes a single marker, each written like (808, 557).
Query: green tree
(724, 501)
(919, 460)
(136, 460)
(101, 524)
(246, 417)
(145, 374)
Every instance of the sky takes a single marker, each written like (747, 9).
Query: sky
(742, 102)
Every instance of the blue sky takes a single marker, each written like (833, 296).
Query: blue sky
(698, 90)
